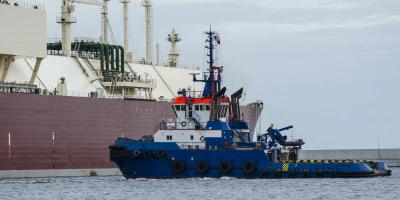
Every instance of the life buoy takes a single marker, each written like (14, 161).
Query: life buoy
(136, 153)
(249, 167)
(160, 152)
(202, 167)
(234, 146)
(225, 167)
(183, 124)
(178, 166)
(202, 138)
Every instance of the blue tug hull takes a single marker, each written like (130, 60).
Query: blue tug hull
(168, 161)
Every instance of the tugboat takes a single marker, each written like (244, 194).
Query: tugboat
(217, 147)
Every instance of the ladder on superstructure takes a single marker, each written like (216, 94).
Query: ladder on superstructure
(87, 62)
(80, 65)
(129, 66)
(77, 47)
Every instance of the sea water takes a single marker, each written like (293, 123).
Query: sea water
(116, 187)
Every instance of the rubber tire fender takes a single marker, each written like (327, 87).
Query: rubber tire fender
(249, 167)
(225, 167)
(178, 166)
(202, 167)
(160, 152)
(147, 153)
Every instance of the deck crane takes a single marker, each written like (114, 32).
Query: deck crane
(104, 19)
(66, 20)
(276, 136)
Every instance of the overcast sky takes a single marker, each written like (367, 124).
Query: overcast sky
(329, 67)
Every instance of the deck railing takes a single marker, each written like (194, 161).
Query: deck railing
(191, 145)
(22, 4)
(179, 126)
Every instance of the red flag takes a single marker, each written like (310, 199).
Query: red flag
(218, 39)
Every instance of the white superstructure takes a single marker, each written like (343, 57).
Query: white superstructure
(23, 35)
(23, 31)
(81, 71)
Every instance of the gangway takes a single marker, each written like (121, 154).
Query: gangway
(239, 136)
(196, 118)
(87, 62)
(129, 66)
(80, 65)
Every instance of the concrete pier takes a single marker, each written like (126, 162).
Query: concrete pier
(59, 173)
(390, 156)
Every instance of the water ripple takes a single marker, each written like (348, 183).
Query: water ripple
(116, 187)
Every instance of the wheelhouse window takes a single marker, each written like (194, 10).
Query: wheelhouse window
(208, 107)
(178, 107)
(202, 107)
(169, 137)
(183, 107)
(196, 107)
(191, 137)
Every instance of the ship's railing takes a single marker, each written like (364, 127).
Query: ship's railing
(119, 96)
(18, 88)
(86, 94)
(179, 126)
(98, 95)
(191, 67)
(191, 145)
(53, 40)
(256, 104)
(188, 67)
(86, 39)
(61, 19)
(23, 4)
(129, 79)
(75, 39)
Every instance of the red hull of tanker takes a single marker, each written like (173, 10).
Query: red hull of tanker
(82, 128)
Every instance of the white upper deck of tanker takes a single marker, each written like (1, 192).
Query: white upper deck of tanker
(79, 83)
(23, 29)
(23, 35)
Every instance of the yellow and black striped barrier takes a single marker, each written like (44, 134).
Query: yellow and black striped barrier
(328, 161)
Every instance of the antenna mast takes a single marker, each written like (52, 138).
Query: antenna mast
(149, 30)
(173, 54)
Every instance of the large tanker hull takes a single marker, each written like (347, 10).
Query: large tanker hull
(59, 132)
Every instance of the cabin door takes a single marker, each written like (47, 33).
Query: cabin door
(190, 110)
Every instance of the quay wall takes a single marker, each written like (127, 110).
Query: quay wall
(390, 156)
